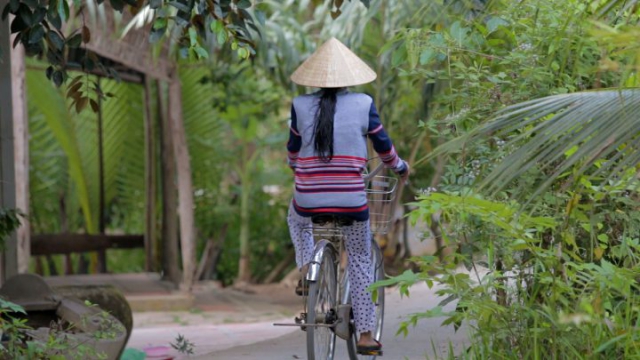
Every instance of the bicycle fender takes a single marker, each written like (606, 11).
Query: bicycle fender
(318, 253)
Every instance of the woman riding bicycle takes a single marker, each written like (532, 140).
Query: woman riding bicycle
(328, 153)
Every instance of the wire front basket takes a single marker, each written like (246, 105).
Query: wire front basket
(381, 193)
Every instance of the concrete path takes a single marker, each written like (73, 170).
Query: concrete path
(420, 343)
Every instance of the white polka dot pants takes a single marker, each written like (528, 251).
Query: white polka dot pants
(358, 245)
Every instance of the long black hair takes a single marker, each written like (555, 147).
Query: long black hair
(323, 131)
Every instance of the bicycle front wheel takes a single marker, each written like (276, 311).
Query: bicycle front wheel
(321, 310)
(377, 264)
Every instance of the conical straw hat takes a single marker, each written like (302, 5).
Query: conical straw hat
(333, 65)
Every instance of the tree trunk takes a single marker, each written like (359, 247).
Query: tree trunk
(170, 251)
(150, 176)
(210, 255)
(284, 263)
(185, 190)
(249, 156)
(244, 269)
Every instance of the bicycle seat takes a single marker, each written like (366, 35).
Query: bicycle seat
(323, 219)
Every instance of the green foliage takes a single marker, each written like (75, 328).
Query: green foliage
(61, 343)
(183, 345)
(43, 30)
(233, 159)
(60, 123)
(9, 222)
(549, 271)
(64, 153)
(536, 285)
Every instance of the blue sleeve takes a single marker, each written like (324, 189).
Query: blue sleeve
(382, 142)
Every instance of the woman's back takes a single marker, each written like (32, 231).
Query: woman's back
(335, 186)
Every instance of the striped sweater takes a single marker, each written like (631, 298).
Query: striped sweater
(337, 186)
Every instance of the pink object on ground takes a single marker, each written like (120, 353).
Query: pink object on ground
(159, 352)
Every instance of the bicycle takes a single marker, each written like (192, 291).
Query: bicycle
(327, 305)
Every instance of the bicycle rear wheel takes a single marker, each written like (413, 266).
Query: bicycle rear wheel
(321, 309)
(377, 265)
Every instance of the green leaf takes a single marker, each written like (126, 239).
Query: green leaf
(458, 32)
(243, 4)
(156, 35)
(63, 10)
(14, 5)
(494, 23)
(160, 23)
(179, 6)
(221, 37)
(202, 52)
(551, 126)
(75, 41)
(193, 36)
(36, 34)
(59, 121)
(52, 15)
(18, 24)
(607, 344)
(25, 14)
(8, 305)
(5, 12)
(426, 56)
(261, 17)
(55, 39)
(117, 5)
(243, 53)
(39, 14)
(57, 78)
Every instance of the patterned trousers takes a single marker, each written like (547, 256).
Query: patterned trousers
(358, 245)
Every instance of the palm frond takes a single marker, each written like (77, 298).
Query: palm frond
(563, 132)
(47, 174)
(124, 152)
(52, 106)
(206, 132)
(622, 6)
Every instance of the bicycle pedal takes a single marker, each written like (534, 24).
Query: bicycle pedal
(301, 320)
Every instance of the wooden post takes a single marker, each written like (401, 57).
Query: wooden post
(185, 189)
(150, 176)
(102, 254)
(14, 170)
(170, 249)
